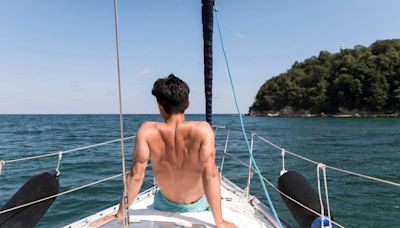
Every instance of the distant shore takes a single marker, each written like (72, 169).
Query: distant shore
(345, 114)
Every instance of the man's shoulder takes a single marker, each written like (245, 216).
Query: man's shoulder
(199, 124)
(146, 128)
(201, 127)
(149, 124)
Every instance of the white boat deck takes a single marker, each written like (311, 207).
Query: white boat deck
(236, 207)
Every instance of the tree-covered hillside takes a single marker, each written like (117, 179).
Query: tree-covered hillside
(362, 78)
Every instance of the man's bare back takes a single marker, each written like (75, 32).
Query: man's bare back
(182, 154)
(175, 153)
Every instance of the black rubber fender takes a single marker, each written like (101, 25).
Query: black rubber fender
(296, 186)
(39, 186)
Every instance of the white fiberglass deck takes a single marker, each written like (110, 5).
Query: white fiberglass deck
(236, 207)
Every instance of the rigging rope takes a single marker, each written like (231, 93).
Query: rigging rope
(332, 167)
(59, 163)
(279, 191)
(283, 171)
(225, 149)
(323, 167)
(3, 162)
(59, 194)
(242, 124)
(298, 203)
(121, 122)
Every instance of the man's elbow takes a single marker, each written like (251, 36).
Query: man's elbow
(136, 177)
(211, 176)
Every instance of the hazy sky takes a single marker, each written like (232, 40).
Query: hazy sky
(59, 56)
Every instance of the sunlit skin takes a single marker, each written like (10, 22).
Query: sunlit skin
(182, 154)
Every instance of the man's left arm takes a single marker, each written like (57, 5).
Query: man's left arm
(135, 177)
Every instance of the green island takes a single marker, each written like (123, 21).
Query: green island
(357, 82)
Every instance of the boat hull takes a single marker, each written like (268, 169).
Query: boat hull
(244, 211)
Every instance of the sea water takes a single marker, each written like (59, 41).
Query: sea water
(366, 145)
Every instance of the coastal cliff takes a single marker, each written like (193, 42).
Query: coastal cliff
(357, 82)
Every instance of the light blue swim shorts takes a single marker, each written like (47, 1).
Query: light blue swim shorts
(163, 204)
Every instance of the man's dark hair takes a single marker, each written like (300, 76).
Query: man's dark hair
(172, 93)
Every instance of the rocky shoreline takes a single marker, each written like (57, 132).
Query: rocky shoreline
(288, 112)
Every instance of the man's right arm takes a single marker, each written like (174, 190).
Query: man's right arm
(135, 177)
(210, 176)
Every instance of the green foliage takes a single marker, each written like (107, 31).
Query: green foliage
(363, 78)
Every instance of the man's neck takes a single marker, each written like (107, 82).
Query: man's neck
(175, 118)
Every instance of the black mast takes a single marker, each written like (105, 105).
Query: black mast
(208, 23)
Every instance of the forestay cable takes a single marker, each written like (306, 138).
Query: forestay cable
(121, 122)
(242, 124)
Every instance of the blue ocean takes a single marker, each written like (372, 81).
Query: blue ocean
(367, 145)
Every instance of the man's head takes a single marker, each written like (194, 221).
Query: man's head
(172, 94)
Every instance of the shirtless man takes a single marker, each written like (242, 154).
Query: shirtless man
(183, 157)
